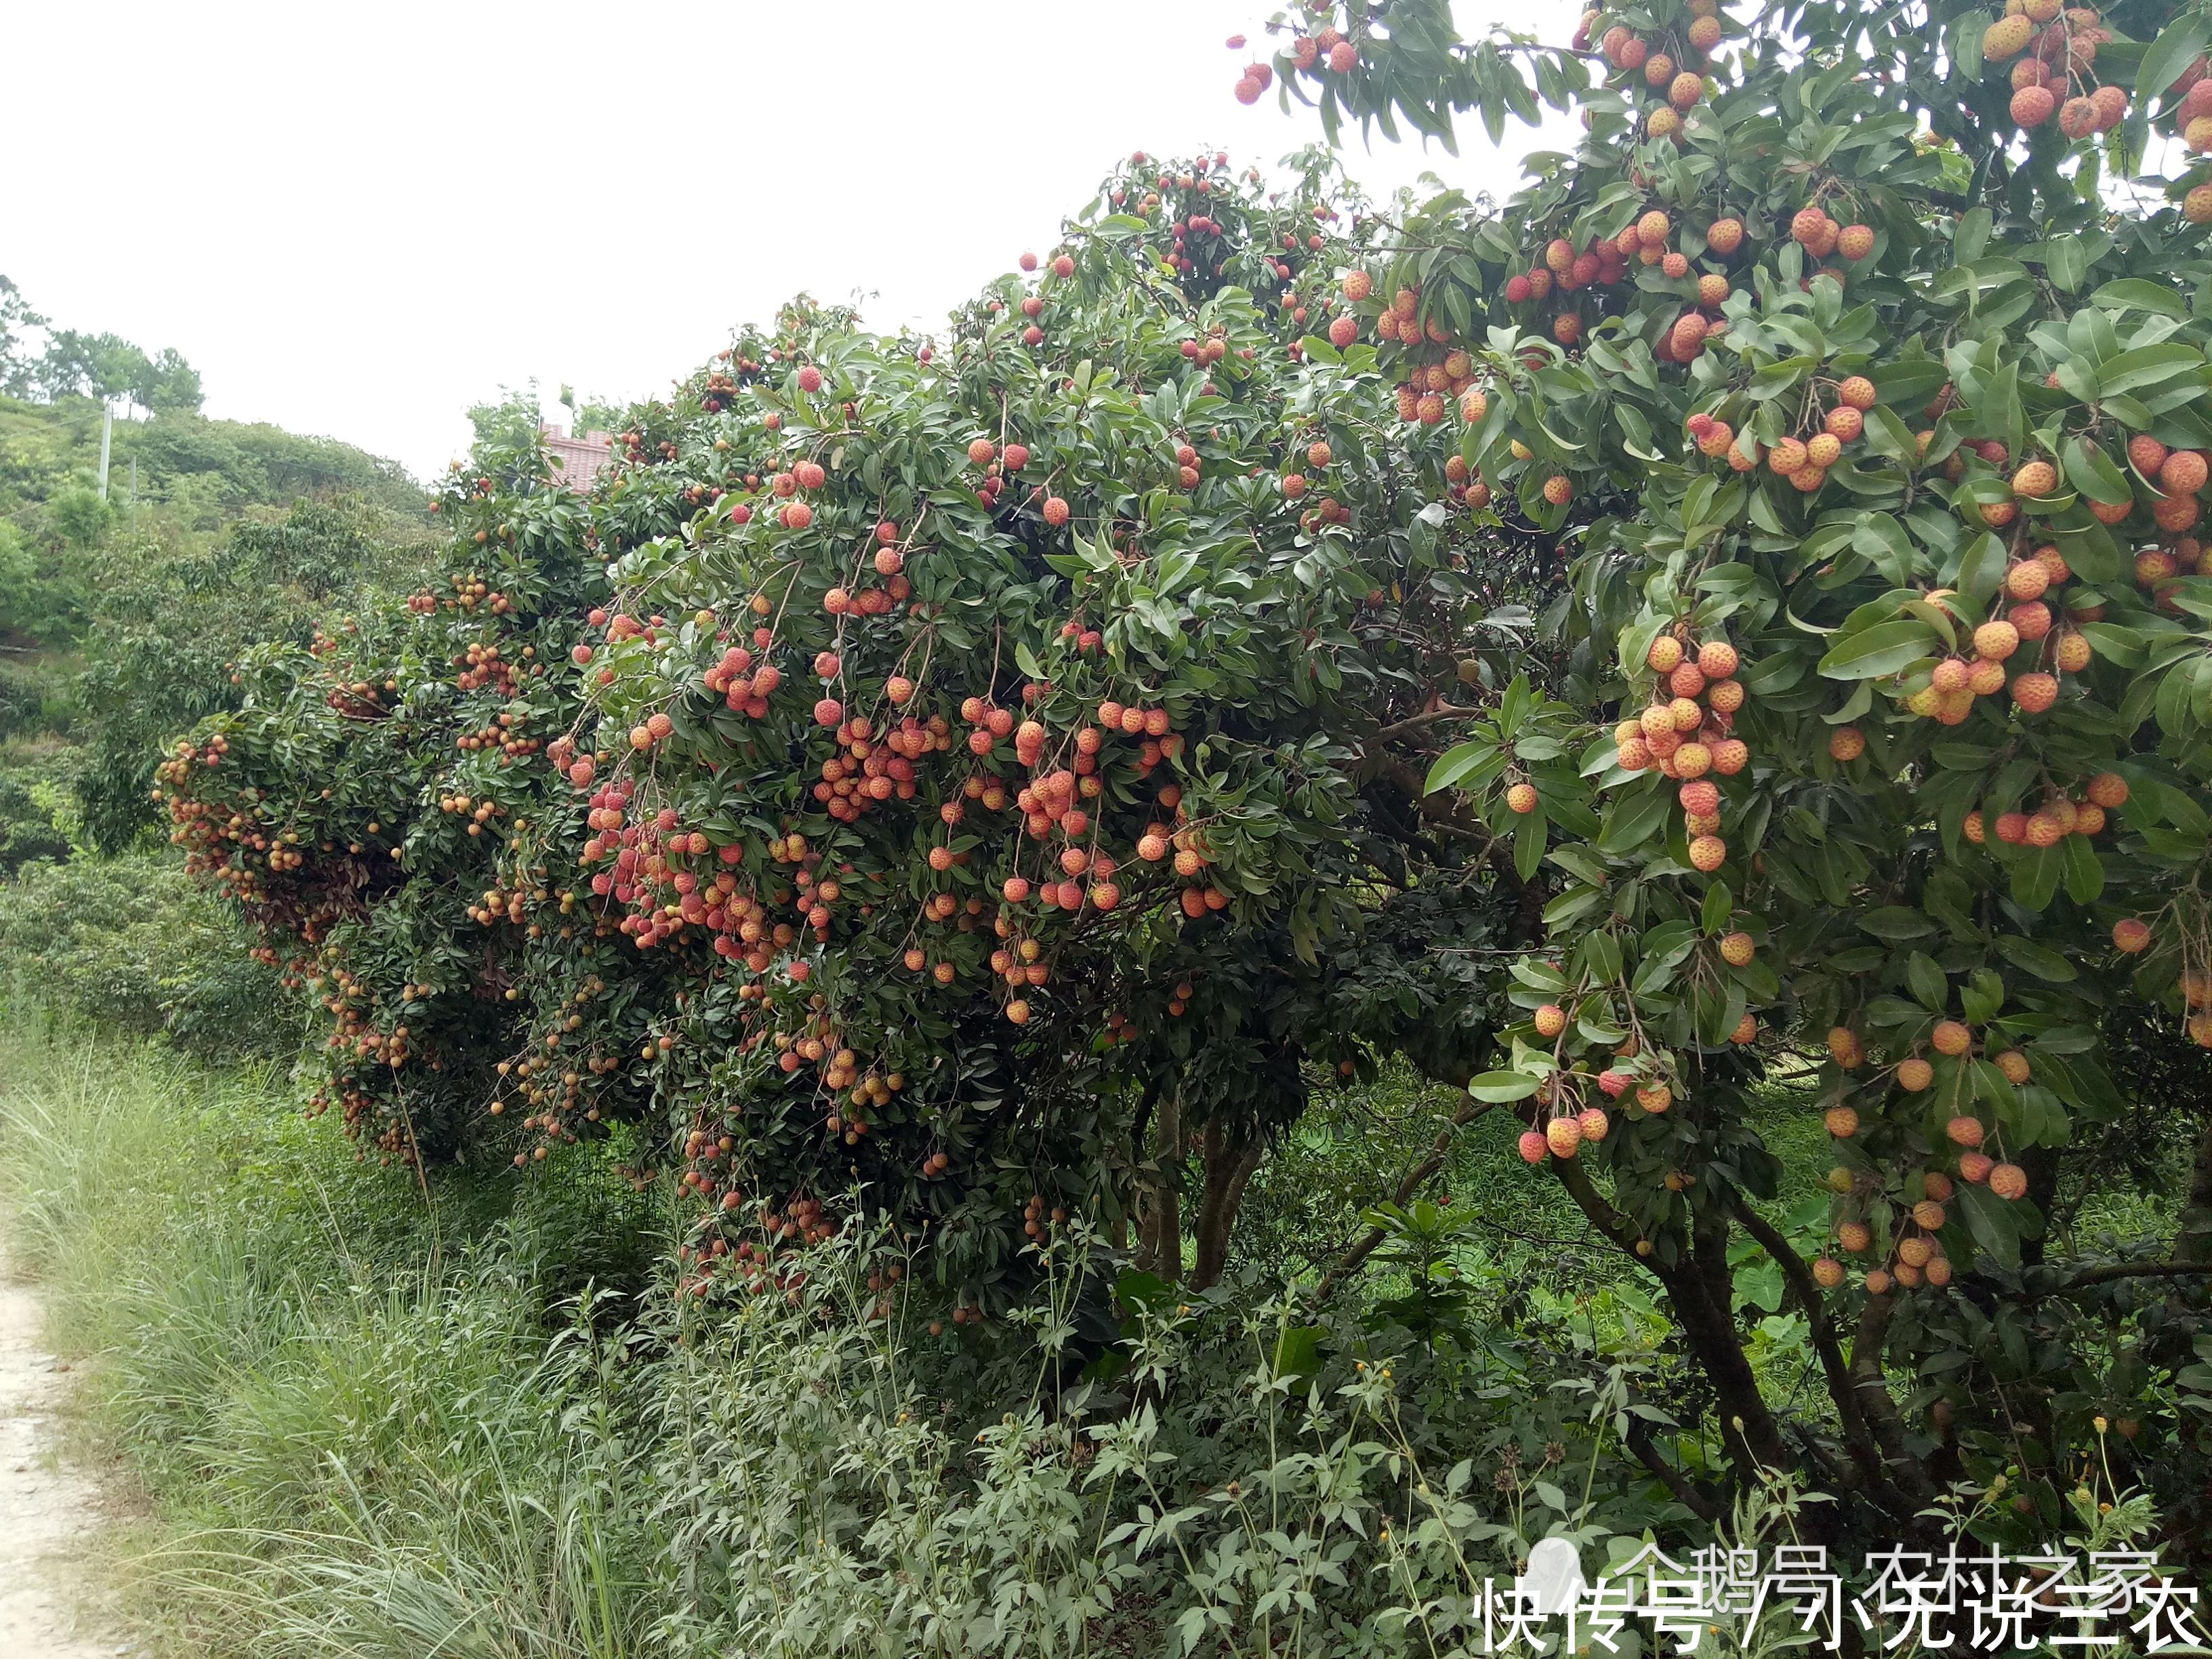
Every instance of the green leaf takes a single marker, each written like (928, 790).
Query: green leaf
(1981, 568)
(2133, 294)
(1884, 649)
(2085, 871)
(1928, 983)
(1717, 907)
(2165, 57)
(1457, 763)
(1528, 837)
(2037, 959)
(1502, 1086)
(2092, 472)
(1883, 540)
(2149, 366)
(1897, 921)
(1632, 818)
(2035, 877)
(1989, 1219)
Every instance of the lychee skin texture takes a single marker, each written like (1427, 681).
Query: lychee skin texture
(1995, 640)
(2032, 107)
(1533, 1145)
(2006, 38)
(2183, 474)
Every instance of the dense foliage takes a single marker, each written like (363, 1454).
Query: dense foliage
(1736, 602)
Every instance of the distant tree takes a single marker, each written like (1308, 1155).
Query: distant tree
(591, 414)
(171, 384)
(110, 368)
(19, 569)
(15, 317)
(66, 369)
(167, 630)
(512, 420)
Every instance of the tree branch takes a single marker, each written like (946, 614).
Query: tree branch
(2119, 1270)
(1602, 1216)
(1850, 1404)
(1414, 1180)
(1416, 722)
(1687, 1492)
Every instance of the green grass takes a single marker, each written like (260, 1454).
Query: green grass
(366, 1420)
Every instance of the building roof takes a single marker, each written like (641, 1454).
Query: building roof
(577, 460)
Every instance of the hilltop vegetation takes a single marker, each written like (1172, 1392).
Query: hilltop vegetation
(122, 616)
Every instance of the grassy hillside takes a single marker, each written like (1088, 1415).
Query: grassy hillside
(119, 618)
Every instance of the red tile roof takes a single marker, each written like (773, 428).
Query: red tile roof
(577, 461)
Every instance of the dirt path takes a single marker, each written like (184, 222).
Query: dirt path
(47, 1508)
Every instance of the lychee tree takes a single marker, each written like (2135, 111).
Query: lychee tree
(975, 779)
(1857, 353)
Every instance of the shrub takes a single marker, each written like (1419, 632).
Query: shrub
(132, 945)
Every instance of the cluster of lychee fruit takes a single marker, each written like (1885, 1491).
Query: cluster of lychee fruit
(1671, 61)
(1685, 733)
(1315, 52)
(1802, 458)
(2059, 816)
(2052, 48)
(1915, 1254)
(1437, 366)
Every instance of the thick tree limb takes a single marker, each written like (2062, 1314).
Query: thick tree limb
(2194, 1241)
(1850, 1401)
(1228, 1163)
(1871, 1384)
(1162, 1233)
(1687, 1492)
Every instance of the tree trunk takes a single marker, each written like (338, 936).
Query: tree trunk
(1159, 1235)
(1229, 1163)
(1702, 1290)
(2193, 1243)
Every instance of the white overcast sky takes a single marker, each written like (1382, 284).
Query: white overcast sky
(358, 220)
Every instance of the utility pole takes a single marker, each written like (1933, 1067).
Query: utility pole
(107, 432)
